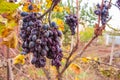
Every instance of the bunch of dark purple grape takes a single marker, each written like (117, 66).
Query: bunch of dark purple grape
(41, 39)
(102, 10)
(72, 21)
(118, 3)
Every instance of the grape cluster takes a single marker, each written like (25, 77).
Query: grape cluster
(41, 39)
(103, 12)
(72, 21)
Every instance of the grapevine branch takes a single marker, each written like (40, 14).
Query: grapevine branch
(113, 4)
(49, 15)
(48, 11)
(98, 32)
(79, 55)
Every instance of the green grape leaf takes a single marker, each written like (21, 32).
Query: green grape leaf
(7, 7)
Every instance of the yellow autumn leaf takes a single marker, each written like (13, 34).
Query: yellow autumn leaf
(12, 23)
(6, 6)
(2, 26)
(6, 32)
(89, 58)
(58, 9)
(48, 3)
(26, 9)
(75, 68)
(60, 23)
(53, 69)
(67, 9)
(19, 59)
(85, 60)
(95, 58)
(76, 78)
(9, 38)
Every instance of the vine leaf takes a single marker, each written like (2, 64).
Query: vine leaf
(19, 59)
(9, 38)
(76, 68)
(76, 78)
(60, 23)
(25, 8)
(11, 18)
(2, 26)
(12, 23)
(7, 7)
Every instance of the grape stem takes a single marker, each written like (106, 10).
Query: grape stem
(48, 11)
(77, 13)
(49, 15)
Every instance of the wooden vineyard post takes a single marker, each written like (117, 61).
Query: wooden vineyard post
(8, 72)
(77, 13)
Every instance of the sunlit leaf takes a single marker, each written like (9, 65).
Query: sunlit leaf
(95, 58)
(19, 59)
(12, 23)
(85, 60)
(8, 7)
(60, 23)
(75, 68)
(6, 32)
(25, 8)
(106, 73)
(9, 38)
(2, 26)
(76, 78)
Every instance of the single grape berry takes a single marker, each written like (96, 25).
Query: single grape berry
(23, 52)
(53, 24)
(34, 38)
(30, 7)
(31, 23)
(43, 52)
(31, 44)
(23, 14)
(98, 5)
(46, 34)
(28, 29)
(97, 12)
(34, 59)
(42, 61)
(45, 27)
(59, 33)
